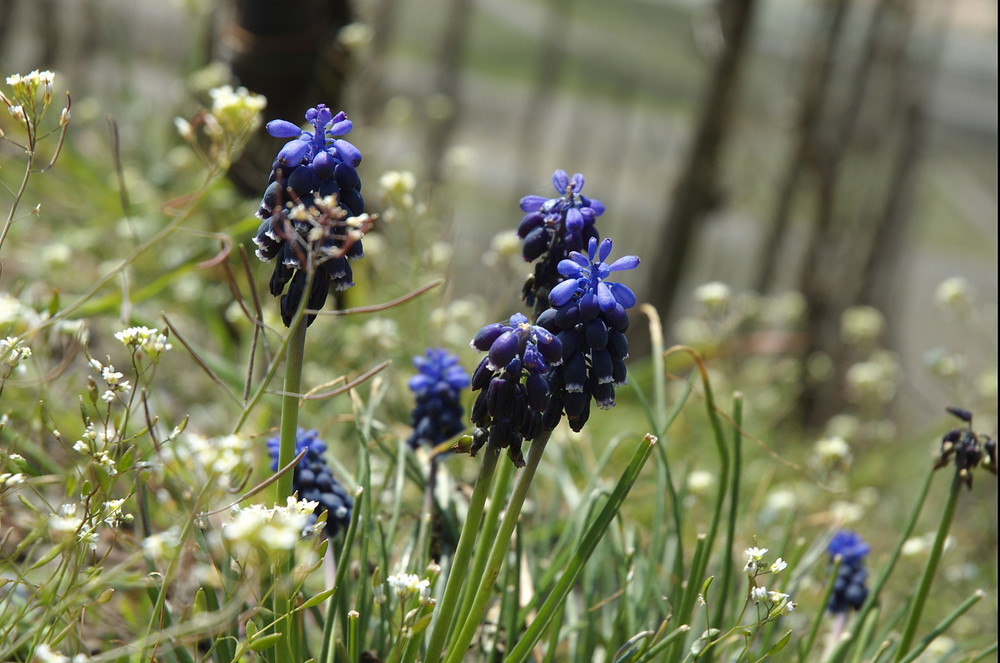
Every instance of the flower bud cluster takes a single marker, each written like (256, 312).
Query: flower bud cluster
(306, 213)
(551, 228)
(589, 318)
(968, 448)
(437, 415)
(313, 480)
(849, 591)
(513, 391)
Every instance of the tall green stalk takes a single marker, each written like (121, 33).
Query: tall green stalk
(460, 643)
(288, 644)
(459, 564)
(920, 598)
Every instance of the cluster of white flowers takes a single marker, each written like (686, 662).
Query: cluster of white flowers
(95, 443)
(45, 654)
(777, 603)
(714, 296)
(757, 565)
(117, 386)
(406, 585)
(260, 528)
(861, 325)
(13, 351)
(149, 342)
(10, 479)
(162, 545)
(113, 515)
(831, 452)
(873, 381)
(65, 526)
(397, 187)
(217, 459)
(956, 294)
(235, 111)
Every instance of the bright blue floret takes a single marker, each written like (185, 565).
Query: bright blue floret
(315, 164)
(513, 391)
(589, 318)
(313, 481)
(551, 229)
(437, 415)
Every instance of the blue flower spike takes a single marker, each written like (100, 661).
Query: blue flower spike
(589, 317)
(513, 390)
(849, 590)
(313, 480)
(312, 190)
(437, 387)
(551, 228)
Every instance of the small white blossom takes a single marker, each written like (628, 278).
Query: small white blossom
(261, 528)
(758, 594)
(8, 479)
(956, 293)
(143, 339)
(162, 545)
(861, 325)
(65, 526)
(778, 565)
(714, 296)
(754, 556)
(13, 351)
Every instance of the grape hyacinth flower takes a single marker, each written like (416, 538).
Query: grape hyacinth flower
(849, 591)
(312, 211)
(314, 482)
(589, 318)
(551, 228)
(513, 391)
(437, 415)
(968, 448)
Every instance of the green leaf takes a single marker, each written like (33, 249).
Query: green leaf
(780, 644)
(317, 599)
(265, 642)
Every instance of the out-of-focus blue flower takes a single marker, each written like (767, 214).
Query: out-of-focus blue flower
(437, 415)
(313, 481)
(513, 391)
(314, 186)
(551, 228)
(589, 318)
(849, 591)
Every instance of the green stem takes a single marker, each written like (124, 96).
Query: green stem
(487, 531)
(456, 573)
(290, 404)
(557, 597)
(920, 598)
(944, 625)
(288, 644)
(458, 646)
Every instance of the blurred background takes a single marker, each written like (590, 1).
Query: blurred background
(844, 150)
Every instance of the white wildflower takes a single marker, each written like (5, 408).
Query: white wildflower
(861, 325)
(714, 296)
(700, 482)
(261, 528)
(65, 526)
(143, 339)
(758, 594)
(778, 565)
(957, 294)
(754, 556)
